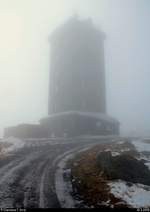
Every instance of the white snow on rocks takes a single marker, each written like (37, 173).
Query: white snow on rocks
(114, 154)
(125, 150)
(148, 164)
(136, 196)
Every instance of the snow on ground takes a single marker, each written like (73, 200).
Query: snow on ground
(13, 144)
(148, 164)
(114, 154)
(125, 150)
(121, 142)
(136, 196)
(140, 145)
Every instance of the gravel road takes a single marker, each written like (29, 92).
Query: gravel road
(27, 177)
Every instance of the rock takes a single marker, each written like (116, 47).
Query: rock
(104, 159)
(124, 167)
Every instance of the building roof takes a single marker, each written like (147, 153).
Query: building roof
(76, 24)
(100, 116)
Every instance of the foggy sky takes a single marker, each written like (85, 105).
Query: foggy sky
(25, 57)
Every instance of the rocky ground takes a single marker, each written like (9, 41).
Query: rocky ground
(115, 175)
(87, 172)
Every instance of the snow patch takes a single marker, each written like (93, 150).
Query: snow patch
(136, 196)
(107, 150)
(121, 142)
(114, 154)
(140, 145)
(147, 164)
(15, 144)
(125, 150)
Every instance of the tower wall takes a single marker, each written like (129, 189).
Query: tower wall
(77, 72)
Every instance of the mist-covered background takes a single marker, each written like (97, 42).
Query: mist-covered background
(25, 57)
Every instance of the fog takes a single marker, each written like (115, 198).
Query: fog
(25, 57)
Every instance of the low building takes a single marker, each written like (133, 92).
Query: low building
(75, 123)
(26, 131)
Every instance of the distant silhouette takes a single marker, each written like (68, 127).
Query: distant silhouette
(77, 73)
(77, 94)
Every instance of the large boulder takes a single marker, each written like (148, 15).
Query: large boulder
(124, 167)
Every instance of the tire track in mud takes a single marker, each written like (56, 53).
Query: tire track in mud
(27, 177)
(28, 169)
(27, 181)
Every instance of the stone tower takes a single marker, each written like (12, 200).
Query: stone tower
(77, 72)
(77, 96)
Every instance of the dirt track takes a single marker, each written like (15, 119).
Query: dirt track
(27, 177)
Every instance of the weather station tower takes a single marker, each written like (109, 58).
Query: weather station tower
(77, 88)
